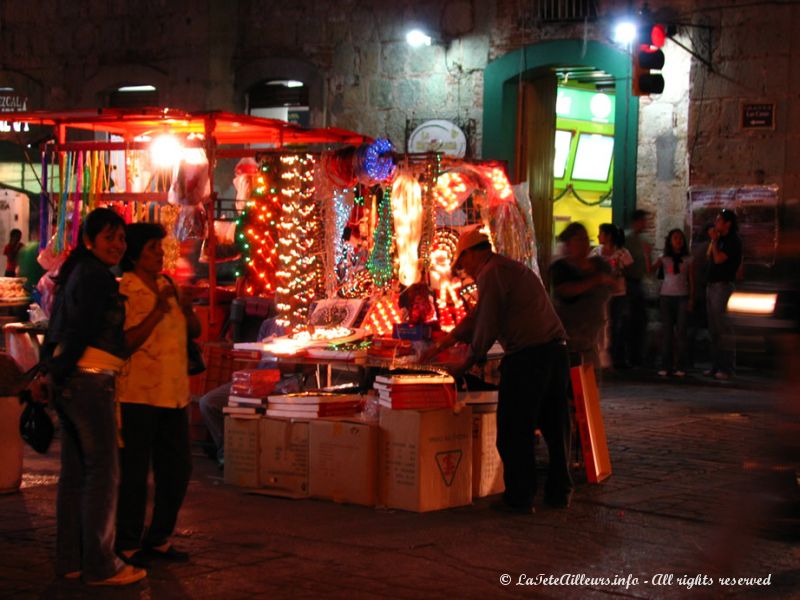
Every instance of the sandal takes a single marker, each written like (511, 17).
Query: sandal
(125, 576)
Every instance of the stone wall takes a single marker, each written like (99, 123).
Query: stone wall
(363, 76)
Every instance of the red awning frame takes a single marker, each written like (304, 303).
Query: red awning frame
(219, 128)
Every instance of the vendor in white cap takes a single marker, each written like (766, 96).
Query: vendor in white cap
(514, 309)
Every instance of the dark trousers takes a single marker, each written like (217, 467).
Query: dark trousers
(618, 326)
(636, 328)
(673, 326)
(533, 394)
(159, 436)
(723, 345)
(87, 485)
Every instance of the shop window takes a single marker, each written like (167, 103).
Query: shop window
(593, 157)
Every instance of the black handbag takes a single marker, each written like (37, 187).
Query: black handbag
(35, 425)
(194, 356)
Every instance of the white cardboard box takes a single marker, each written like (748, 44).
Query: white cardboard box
(242, 451)
(343, 460)
(425, 459)
(283, 464)
(487, 468)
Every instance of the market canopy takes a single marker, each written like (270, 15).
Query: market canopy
(226, 128)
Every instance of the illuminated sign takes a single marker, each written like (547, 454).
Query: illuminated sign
(13, 103)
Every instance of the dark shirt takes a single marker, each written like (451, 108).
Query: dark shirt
(731, 245)
(583, 315)
(513, 308)
(88, 310)
(635, 245)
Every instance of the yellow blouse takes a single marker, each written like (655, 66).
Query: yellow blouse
(155, 374)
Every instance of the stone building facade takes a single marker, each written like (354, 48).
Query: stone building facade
(361, 74)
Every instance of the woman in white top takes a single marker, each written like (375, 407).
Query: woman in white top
(675, 301)
(611, 249)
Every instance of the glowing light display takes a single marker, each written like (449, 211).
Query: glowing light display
(298, 229)
(407, 212)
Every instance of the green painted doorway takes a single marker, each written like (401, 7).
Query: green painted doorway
(520, 89)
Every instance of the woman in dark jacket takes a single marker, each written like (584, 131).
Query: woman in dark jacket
(84, 349)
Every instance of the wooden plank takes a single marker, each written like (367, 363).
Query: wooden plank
(590, 423)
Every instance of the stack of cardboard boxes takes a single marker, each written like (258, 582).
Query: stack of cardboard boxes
(417, 460)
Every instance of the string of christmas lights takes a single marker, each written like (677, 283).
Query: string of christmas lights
(382, 316)
(298, 229)
(257, 234)
(380, 262)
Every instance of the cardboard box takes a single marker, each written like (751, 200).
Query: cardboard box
(343, 460)
(241, 451)
(487, 468)
(425, 459)
(283, 466)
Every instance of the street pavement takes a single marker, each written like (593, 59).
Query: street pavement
(697, 494)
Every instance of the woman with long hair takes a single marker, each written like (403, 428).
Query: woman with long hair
(83, 351)
(676, 300)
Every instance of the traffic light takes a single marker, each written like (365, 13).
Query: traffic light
(645, 60)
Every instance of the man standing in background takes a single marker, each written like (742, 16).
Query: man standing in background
(640, 250)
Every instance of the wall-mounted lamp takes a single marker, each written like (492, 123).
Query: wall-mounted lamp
(625, 32)
(417, 38)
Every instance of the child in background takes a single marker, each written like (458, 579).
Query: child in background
(675, 301)
(11, 251)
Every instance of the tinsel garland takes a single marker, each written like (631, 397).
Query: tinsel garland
(428, 183)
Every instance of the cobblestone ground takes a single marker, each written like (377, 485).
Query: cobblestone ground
(691, 495)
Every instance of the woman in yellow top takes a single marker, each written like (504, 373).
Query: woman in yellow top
(154, 396)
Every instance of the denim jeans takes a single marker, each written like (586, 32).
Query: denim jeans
(673, 327)
(211, 405)
(87, 487)
(723, 353)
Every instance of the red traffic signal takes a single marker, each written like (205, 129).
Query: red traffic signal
(643, 81)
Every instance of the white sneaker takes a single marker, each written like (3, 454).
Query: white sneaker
(663, 373)
(680, 373)
(722, 376)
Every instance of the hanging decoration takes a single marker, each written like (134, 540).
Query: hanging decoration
(298, 229)
(428, 184)
(406, 202)
(375, 162)
(191, 190)
(452, 188)
(380, 260)
(257, 231)
(44, 200)
(448, 302)
(382, 316)
(360, 285)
